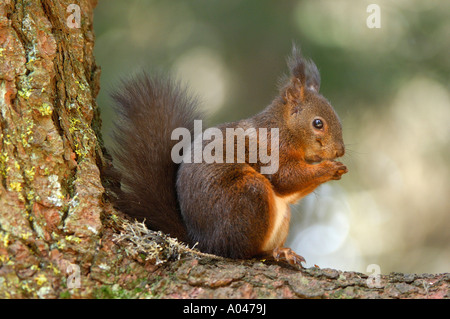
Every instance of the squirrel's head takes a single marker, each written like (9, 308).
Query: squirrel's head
(313, 125)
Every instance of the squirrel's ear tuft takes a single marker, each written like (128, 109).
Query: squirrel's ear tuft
(304, 70)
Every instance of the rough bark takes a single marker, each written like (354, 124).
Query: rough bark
(59, 236)
(184, 273)
(50, 190)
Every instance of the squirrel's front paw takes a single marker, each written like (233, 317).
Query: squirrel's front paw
(335, 169)
(286, 254)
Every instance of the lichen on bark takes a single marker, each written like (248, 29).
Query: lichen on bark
(50, 190)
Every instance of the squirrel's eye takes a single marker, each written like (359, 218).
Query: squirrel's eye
(318, 123)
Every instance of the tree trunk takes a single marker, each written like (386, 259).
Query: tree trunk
(60, 237)
(50, 190)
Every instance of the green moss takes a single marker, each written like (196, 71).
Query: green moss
(65, 295)
(117, 292)
(341, 294)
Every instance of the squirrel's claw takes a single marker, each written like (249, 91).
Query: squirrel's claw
(286, 254)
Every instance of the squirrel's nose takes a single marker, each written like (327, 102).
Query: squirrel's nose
(340, 151)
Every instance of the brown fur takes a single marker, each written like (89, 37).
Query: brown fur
(229, 209)
(148, 110)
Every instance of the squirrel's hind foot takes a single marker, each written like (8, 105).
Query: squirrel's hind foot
(288, 255)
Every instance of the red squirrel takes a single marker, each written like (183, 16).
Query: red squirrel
(228, 208)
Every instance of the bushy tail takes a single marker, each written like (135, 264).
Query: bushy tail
(149, 109)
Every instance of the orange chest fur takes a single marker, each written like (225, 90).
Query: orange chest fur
(280, 219)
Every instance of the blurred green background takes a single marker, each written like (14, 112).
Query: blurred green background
(390, 86)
